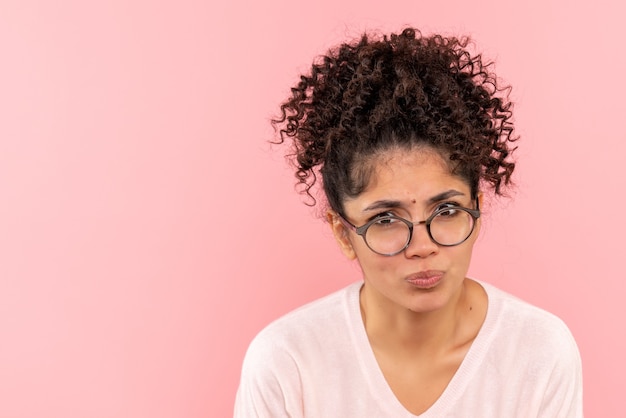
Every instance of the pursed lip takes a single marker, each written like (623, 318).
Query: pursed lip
(425, 279)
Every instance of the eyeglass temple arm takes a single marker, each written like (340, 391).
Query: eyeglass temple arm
(346, 222)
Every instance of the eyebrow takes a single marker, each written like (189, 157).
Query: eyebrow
(390, 204)
(383, 204)
(445, 195)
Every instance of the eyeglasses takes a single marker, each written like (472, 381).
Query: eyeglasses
(390, 235)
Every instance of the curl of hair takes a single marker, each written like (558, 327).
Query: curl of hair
(398, 90)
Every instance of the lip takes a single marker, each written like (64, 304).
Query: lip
(425, 279)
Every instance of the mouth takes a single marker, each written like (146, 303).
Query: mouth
(425, 279)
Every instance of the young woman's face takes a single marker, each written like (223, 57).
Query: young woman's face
(411, 184)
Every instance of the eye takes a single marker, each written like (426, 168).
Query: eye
(385, 219)
(383, 216)
(447, 209)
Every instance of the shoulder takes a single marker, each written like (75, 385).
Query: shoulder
(515, 313)
(291, 350)
(529, 357)
(301, 331)
(529, 332)
(309, 319)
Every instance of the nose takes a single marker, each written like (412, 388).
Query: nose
(420, 245)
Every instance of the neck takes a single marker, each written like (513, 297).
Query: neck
(391, 325)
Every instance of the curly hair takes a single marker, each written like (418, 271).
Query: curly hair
(401, 90)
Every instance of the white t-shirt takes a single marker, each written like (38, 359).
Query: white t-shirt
(317, 362)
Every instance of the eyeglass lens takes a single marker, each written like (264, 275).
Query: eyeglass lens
(390, 235)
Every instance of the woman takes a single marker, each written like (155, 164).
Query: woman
(408, 133)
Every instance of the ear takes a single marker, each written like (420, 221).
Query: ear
(341, 234)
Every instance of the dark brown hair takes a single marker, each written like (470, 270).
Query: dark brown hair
(401, 90)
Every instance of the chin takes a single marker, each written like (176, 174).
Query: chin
(429, 301)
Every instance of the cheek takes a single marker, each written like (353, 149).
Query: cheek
(380, 269)
(462, 255)
(360, 247)
(369, 261)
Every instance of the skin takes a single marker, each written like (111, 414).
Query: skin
(419, 336)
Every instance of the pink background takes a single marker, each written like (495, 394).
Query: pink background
(147, 231)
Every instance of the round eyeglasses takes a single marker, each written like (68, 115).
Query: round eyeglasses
(389, 235)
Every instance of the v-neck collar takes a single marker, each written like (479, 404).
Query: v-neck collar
(380, 389)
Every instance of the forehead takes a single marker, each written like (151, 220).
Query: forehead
(420, 169)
